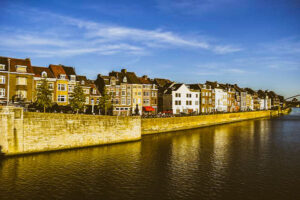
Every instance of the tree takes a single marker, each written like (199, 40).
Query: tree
(44, 95)
(105, 101)
(77, 99)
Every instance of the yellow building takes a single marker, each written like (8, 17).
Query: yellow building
(41, 73)
(61, 85)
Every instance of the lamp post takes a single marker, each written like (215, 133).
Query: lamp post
(8, 71)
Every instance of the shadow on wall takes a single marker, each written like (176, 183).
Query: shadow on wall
(1, 154)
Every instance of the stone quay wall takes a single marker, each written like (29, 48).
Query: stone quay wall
(159, 125)
(26, 132)
(38, 132)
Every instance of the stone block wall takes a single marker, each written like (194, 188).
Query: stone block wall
(38, 132)
(158, 125)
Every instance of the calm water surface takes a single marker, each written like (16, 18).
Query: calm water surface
(258, 159)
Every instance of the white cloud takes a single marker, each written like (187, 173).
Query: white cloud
(77, 36)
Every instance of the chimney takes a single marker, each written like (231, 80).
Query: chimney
(123, 71)
(145, 77)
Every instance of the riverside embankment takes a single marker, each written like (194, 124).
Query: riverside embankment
(25, 132)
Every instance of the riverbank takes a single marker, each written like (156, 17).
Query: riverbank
(160, 125)
(23, 133)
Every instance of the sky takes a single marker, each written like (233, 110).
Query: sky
(254, 43)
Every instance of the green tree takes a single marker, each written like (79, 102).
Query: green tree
(44, 95)
(77, 99)
(105, 101)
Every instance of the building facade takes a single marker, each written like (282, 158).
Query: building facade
(16, 80)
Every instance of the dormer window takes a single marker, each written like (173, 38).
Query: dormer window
(72, 77)
(62, 76)
(124, 79)
(2, 67)
(44, 74)
(82, 82)
(21, 68)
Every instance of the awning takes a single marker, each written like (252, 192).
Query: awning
(148, 108)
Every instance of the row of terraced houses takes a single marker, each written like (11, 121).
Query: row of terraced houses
(129, 93)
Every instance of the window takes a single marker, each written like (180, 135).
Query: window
(203, 101)
(116, 101)
(2, 79)
(71, 88)
(51, 86)
(21, 94)
(146, 94)
(139, 101)
(196, 103)
(196, 95)
(21, 81)
(82, 82)
(21, 68)
(128, 93)
(123, 93)
(2, 92)
(203, 93)
(44, 74)
(61, 98)
(94, 91)
(2, 67)
(117, 93)
(133, 101)
(188, 95)
(62, 76)
(153, 94)
(177, 102)
(87, 100)
(61, 87)
(72, 77)
(188, 103)
(123, 101)
(177, 95)
(139, 93)
(128, 101)
(86, 91)
(146, 101)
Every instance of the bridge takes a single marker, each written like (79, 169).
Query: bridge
(298, 95)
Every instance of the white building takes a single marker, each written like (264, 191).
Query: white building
(220, 99)
(180, 99)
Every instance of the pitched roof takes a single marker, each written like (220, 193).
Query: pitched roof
(172, 87)
(84, 79)
(16, 61)
(145, 80)
(38, 71)
(69, 70)
(160, 82)
(130, 76)
(57, 70)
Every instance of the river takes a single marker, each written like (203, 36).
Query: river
(255, 159)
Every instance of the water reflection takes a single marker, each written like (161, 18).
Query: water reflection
(257, 159)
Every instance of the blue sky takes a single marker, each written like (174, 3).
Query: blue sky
(253, 43)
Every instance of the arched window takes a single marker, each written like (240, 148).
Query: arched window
(44, 74)
(124, 79)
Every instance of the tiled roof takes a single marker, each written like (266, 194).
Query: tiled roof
(57, 70)
(15, 61)
(69, 70)
(131, 76)
(145, 80)
(160, 82)
(38, 71)
(83, 78)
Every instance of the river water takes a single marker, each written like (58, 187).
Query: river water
(256, 159)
